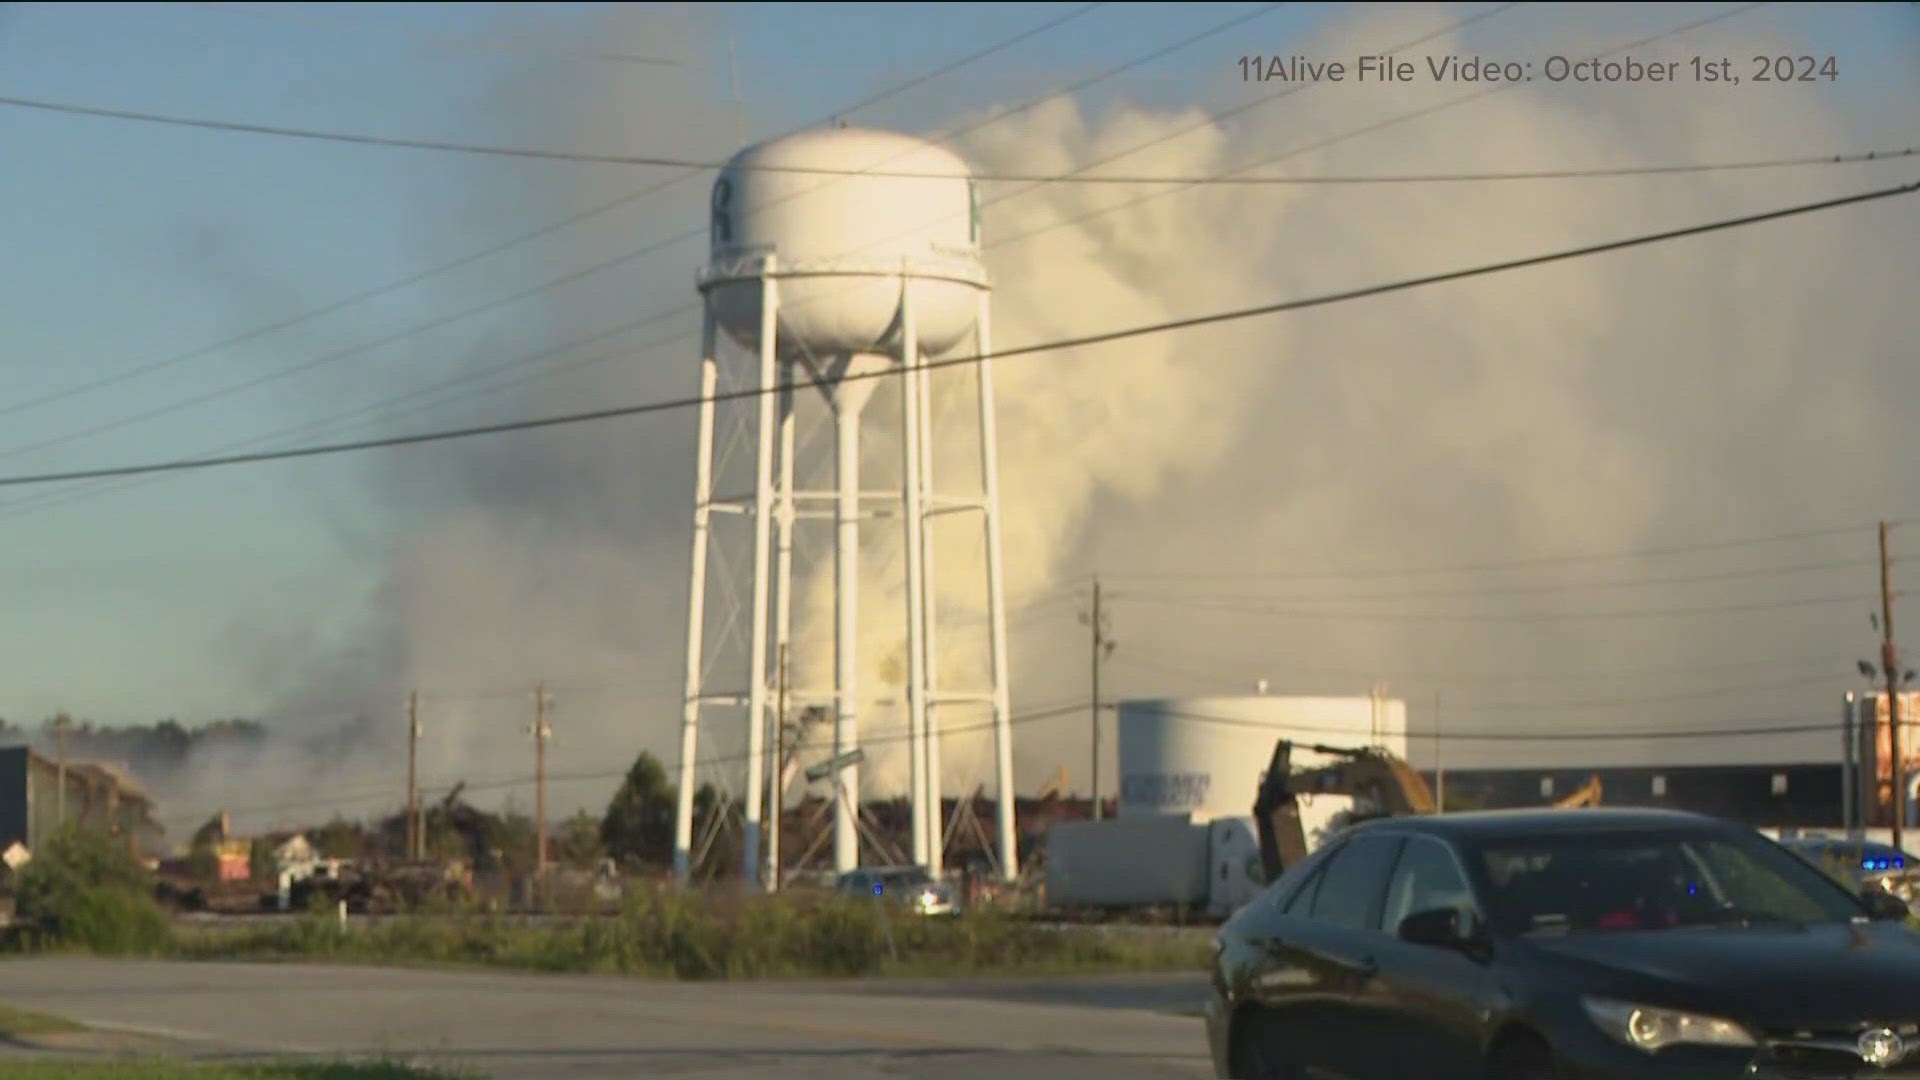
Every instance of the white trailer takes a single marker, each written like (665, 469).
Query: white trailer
(1159, 861)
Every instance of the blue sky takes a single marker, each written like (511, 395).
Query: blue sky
(127, 243)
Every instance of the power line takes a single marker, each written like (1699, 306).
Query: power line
(1481, 678)
(57, 499)
(1534, 587)
(709, 165)
(1491, 616)
(1517, 564)
(70, 108)
(1391, 121)
(1838, 673)
(670, 767)
(1788, 728)
(1027, 350)
(523, 238)
(627, 257)
(696, 233)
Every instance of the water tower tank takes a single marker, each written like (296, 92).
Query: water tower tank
(841, 241)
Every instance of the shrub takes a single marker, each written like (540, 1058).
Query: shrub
(84, 890)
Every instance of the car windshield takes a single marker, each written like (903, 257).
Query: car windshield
(1653, 880)
(905, 879)
(1851, 855)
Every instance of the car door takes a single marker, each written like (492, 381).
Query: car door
(1427, 1001)
(1341, 949)
(1278, 975)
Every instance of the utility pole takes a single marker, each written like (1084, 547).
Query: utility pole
(1890, 666)
(60, 770)
(413, 785)
(1102, 648)
(1439, 770)
(541, 733)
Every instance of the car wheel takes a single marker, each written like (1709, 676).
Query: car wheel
(1523, 1058)
(1258, 1052)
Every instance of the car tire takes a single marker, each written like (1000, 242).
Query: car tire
(1257, 1052)
(1523, 1058)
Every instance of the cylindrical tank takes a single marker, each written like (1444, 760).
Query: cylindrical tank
(840, 242)
(1204, 756)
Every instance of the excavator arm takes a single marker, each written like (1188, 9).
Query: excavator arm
(1587, 794)
(1373, 777)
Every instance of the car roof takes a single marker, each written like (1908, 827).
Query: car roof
(1515, 824)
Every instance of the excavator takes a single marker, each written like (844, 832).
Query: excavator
(1380, 784)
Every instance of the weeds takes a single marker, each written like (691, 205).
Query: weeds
(709, 936)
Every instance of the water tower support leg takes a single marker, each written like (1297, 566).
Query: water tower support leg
(996, 601)
(696, 604)
(929, 623)
(912, 446)
(783, 602)
(846, 572)
(762, 538)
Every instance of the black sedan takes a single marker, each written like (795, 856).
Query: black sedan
(1564, 945)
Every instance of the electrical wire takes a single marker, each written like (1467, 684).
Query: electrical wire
(697, 233)
(516, 241)
(1026, 350)
(1224, 607)
(1381, 125)
(577, 275)
(1835, 672)
(1788, 727)
(1149, 57)
(1518, 564)
(667, 161)
(1534, 587)
(866, 739)
(1478, 678)
(1773, 727)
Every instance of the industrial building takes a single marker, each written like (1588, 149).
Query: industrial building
(1204, 756)
(36, 791)
(1805, 778)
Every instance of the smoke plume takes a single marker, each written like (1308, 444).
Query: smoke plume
(1747, 383)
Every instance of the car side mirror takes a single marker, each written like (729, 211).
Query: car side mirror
(1883, 906)
(1441, 928)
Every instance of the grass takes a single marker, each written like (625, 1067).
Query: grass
(19, 1024)
(161, 1069)
(716, 936)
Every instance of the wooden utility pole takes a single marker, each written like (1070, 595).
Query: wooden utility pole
(1439, 770)
(1890, 665)
(1101, 648)
(541, 732)
(413, 787)
(60, 770)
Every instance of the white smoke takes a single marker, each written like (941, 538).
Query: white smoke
(1723, 386)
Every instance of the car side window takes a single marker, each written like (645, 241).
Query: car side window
(1302, 899)
(1427, 877)
(1355, 882)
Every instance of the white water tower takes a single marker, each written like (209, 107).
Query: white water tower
(838, 271)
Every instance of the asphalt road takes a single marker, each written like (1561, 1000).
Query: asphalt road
(516, 1026)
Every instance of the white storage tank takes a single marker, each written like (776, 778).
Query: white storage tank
(841, 241)
(1205, 756)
